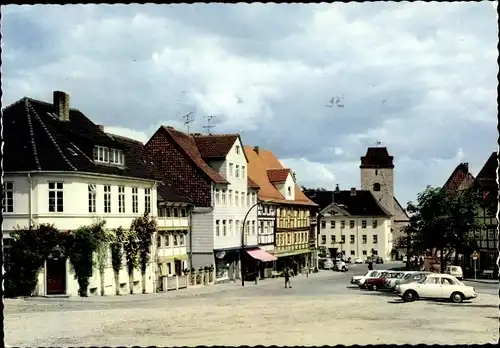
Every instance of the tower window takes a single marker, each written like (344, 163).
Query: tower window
(376, 171)
(376, 187)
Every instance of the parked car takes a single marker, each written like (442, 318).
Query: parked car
(340, 266)
(326, 263)
(392, 278)
(379, 260)
(410, 277)
(375, 283)
(375, 274)
(357, 279)
(455, 271)
(358, 261)
(436, 286)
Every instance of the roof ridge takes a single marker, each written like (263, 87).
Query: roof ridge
(122, 137)
(52, 138)
(33, 143)
(47, 103)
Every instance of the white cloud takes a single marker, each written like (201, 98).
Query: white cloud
(420, 77)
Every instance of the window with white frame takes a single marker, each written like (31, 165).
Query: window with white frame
(217, 197)
(181, 239)
(363, 223)
(167, 240)
(183, 212)
(231, 228)
(147, 200)
(104, 154)
(237, 149)
(375, 239)
(224, 228)
(242, 199)
(217, 227)
(289, 190)
(230, 197)
(237, 172)
(248, 200)
(237, 198)
(323, 239)
(101, 154)
(237, 225)
(243, 172)
(56, 197)
(374, 223)
(175, 211)
(121, 199)
(176, 240)
(247, 228)
(332, 224)
(253, 227)
(265, 227)
(8, 197)
(364, 239)
(223, 197)
(92, 198)
(116, 156)
(107, 199)
(135, 200)
(231, 170)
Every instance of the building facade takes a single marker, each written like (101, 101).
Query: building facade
(62, 169)
(284, 213)
(377, 176)
(487, 187)
(211, 170)
(352, 223)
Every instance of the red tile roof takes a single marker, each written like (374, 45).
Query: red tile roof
(377, 157)
(252, 183)
(215, 146)
(260, 163)
(459, 178)
(188, 144)
(276, 176)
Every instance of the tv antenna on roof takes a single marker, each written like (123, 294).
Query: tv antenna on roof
(209, 126)
(188, 118)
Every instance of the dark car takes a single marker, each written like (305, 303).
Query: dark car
(379, 260)
(376, 283)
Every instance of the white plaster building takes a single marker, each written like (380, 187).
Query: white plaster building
(353, 223)
(211, 170)
(62, 169)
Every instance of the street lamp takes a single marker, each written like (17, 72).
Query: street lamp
(243, 239)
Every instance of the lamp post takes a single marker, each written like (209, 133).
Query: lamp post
(243, 239)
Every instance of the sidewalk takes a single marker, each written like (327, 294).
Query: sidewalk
(198, 290)
(482, 281)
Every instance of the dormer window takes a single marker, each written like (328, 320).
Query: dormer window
(289, 190)
(106, 155)
(237, 149)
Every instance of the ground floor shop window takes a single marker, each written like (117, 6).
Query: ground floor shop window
(223, 262)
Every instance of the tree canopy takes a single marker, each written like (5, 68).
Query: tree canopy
(444, 221)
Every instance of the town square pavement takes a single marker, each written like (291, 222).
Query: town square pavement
(322, 309)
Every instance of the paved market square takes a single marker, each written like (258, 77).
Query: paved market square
(320, 309)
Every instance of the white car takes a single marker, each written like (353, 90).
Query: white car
(358, 261)
(436, 286)
(357, 279)
(392, 278)
(455, 271)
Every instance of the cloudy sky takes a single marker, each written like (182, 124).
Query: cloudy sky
(317, 84)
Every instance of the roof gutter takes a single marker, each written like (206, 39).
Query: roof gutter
(84, 174)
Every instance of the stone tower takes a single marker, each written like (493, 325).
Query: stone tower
(377, 175)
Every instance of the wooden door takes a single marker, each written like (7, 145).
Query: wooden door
(56, 276)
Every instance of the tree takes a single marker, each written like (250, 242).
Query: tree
(116, 247)
(102, 239)
(443, 221)
(131, 248)
(144, 228)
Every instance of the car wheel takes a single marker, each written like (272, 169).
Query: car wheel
(374, 287)
(457, 297)
(410, 296)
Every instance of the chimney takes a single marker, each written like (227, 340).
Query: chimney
(466, 166)
(353, 191)
(61, 103)
(256, 149)
(337, 188)
(101, 127)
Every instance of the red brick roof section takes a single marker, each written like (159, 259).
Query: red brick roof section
(215, 146)
(277, 175)
(189, 146)
(252, 184)
(377, 157)
(458, 176)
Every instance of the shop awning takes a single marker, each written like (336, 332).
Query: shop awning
(261, 255)
(182, 257)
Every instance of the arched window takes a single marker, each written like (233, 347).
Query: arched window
(376, 187)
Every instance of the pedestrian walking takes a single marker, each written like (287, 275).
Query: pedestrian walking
(370, 266)
(287, 278)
